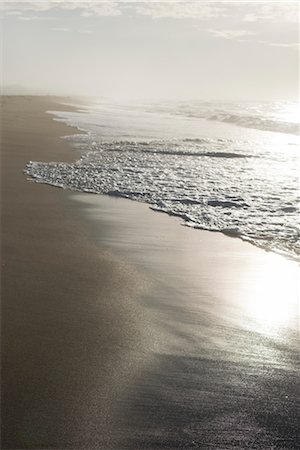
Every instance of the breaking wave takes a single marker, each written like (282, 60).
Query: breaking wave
(263, 116)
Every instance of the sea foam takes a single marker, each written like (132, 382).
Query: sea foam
(212, 184)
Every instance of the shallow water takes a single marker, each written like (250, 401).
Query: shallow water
(213, 165)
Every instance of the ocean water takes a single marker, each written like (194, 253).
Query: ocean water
(228, 167)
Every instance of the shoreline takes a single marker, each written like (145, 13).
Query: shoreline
(286, 251)
(123, 330)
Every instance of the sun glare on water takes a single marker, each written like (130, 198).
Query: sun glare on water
(290, 112)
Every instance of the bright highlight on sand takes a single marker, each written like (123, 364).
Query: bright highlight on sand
(272, 301)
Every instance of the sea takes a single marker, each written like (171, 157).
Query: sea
(230, 167)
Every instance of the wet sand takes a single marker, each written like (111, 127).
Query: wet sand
(224, 322)
(123, 329)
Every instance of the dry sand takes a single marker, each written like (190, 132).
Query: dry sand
(122, 329)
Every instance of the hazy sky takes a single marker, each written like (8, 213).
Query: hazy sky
(202, 50)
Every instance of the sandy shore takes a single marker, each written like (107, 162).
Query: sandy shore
(123, 329)
(67, 307)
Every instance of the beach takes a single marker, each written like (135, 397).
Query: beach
(123, 329)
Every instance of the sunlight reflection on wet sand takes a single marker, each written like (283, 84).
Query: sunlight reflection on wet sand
(272, 300)
(210, 272)
(219, 337)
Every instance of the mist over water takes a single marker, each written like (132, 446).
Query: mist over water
(229, 167)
